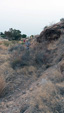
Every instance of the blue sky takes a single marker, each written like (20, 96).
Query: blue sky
(30, 16)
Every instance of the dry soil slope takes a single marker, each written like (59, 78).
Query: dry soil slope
(38, 87)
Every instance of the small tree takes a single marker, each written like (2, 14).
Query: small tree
(2, 34)
(13, 34)
(24, 36)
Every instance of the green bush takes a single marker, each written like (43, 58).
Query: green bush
(13, 34)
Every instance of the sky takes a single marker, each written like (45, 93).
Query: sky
(30, 16)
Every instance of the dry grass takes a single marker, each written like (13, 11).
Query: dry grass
(1, 42)
(52, 46)
(6, 43)
(54, 75)
(29, 69)
(3, 47)
(44, 98)
(2, 84)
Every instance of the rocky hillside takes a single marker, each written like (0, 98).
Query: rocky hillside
(32, 81)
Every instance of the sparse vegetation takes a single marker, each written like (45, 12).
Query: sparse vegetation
(6, 43)
(2, 85)
(34, 78)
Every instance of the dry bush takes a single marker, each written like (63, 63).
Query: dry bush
(16, 62)
(21, 58)
(2, 85)
(45, 99)
(29, 72)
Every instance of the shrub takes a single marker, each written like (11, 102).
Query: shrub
(16, 63)
(17, 47)
(41, 58)
(21, 60)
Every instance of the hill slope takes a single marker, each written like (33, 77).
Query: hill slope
(34, 78)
